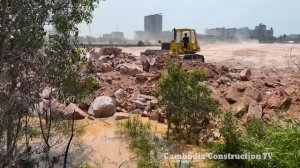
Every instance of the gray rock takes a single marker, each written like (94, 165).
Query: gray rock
(139, 104)
(234, 76)
(141, 99)
(148, 106)
(102, 106)
(224, 80)
(131, 108)
(119, 94)
(129, 69)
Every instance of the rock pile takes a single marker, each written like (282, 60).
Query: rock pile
(128, 82)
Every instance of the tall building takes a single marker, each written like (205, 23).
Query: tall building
(242, 32)
(215, 32)
(153, 23)
(260, 32)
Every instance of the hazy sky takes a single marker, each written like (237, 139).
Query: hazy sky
(128, 15)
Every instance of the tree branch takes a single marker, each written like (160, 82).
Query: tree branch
(70, 140)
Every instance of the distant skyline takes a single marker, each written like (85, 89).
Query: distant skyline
(128, 15)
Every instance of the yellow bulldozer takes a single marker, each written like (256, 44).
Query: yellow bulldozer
(184, 44)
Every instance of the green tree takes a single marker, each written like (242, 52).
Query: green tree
(30, 57)
(187, 101)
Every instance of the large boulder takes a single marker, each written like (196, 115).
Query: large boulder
(129, 69)
(110, 51)
(102, 106)
(78, 113)
(245, 74)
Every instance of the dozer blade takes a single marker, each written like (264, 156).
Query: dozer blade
(153, 52)
(193, 56)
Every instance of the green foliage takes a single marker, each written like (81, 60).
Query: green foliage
(32, 57)
(34, 132)
(232, 142)
(230, 134)
(187, 101)
(29, 163)
(141, 141)
(259, 137)
(92, 83)
(282, 142)
(84, 165)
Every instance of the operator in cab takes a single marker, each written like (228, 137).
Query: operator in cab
(186, 41)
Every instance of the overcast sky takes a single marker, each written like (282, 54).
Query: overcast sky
(128, 15)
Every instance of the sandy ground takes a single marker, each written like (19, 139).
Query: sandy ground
(244, 55)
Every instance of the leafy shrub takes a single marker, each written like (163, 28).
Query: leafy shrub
(232, 143)
(91, 83)
(187, 101)
(259, 138)
(282, 142)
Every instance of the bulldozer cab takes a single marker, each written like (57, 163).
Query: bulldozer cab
(185, 41)
(185, 44)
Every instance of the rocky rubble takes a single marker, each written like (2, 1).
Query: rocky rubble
(128, 82)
